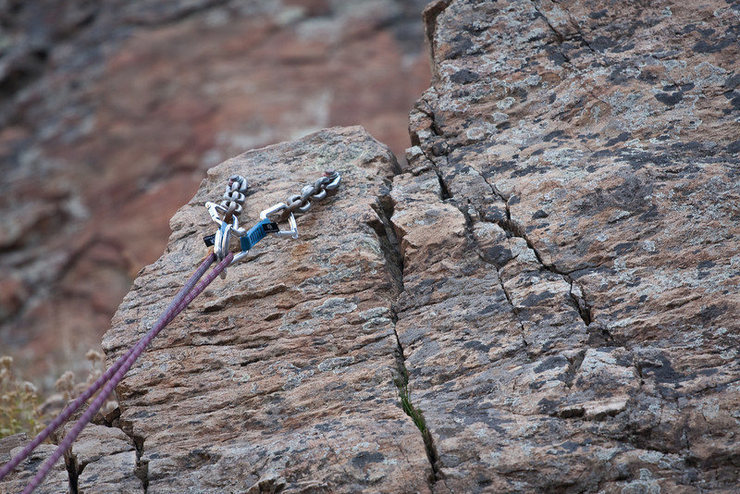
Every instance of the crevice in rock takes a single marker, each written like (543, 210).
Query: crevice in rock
(141, 470)
(390, 245)
(444, 191)
(509, 225)
(574, 364)
(471, 238)
(401, 380)
(388, 239)
(73, 471)
(142, 466)
(584, 310)
(562, 38)
(558, 35)
(513, 228)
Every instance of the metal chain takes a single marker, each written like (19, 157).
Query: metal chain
(301, 203)
(233, 198)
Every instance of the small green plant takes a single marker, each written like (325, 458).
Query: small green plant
(19, 403)
(409, 408)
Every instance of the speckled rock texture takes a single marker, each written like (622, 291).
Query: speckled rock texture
(543, 299)
(283, 374)
(111, 112)
(570, 246)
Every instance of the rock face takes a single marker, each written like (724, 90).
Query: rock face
(288, 365)
(110, 113)
(569, 234)
(544, 299)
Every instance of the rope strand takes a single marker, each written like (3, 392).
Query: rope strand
(82, 399)
(165, 318)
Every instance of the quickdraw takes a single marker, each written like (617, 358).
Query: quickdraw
(226, 215)
(232, 205)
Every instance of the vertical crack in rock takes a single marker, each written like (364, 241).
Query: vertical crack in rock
(142, 466)
(141, 470)
(388, 240)
(401, 381)
(73, 471)
(514, 229)
(471, 237)
(394, 264)
(511, 226)
(559, 36)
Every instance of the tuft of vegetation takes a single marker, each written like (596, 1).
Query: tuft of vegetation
(19, 403)
(402, 383)
(21, 407)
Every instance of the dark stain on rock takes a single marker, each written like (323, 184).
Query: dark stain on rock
(711, 312)
(710, 47)
(598, 14)
(570, 446)
(554, 362)
(461, 45)
(536, 298)
(624, 247)
(624, 136)
(552, 135)
(366, 457)
(669, 99)
(660, 369)
(629, 195)
(602, 43)
(498, 255)
(464, 76)
(478, 346)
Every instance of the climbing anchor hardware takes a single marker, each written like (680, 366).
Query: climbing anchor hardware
(232, 205)
(226, 215)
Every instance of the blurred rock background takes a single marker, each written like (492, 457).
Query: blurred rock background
(110, 112)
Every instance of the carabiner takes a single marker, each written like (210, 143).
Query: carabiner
(293, 232)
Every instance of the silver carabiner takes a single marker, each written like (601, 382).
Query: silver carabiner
(215, 210)
(293, 232)
(222, 240)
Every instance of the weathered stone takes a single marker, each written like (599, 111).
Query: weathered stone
(110, 113)
(55, 483)
(550, 284)
(591, 149)
(282, 374)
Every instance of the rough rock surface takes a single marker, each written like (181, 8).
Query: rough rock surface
(552, 281)
(570, 246)
(110, 113)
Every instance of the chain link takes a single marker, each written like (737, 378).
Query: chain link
(233, 198)
(301, 203)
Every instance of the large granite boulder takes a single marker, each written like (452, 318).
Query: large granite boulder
(571, 324)
(111, 112)
(543, 299)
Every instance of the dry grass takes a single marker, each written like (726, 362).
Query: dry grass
(21, 407)
(19, 403)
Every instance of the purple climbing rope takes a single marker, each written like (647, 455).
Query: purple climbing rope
(114, 375)
(165, 318)
(82, 399)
